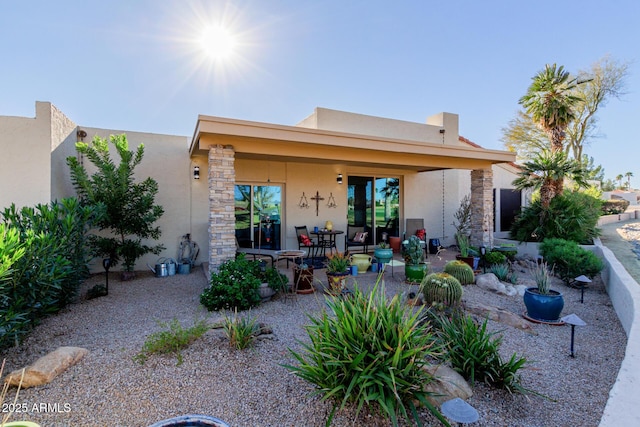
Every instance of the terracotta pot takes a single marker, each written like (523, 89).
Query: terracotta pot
(466, 259)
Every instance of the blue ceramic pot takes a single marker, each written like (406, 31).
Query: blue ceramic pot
(544, 308)
(191, 421)
(383, 255)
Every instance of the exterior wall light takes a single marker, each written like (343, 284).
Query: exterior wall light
(339, 179)
(196, 172)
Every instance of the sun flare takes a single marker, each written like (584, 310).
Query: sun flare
(217, 42)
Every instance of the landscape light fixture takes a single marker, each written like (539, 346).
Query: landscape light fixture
(582, 282)
(196, 172)
(459, 411)
(574, 321)
(339, 179)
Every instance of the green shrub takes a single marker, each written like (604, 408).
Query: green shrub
(495, 257)
(369, 351)
(474, 353)
(234, 286)
(614, 206)
(53, 264)
(240, 331)
(571, 216)
(172, 340)
(461, 271)
(569, 260)
(276, 280)
(441, 288)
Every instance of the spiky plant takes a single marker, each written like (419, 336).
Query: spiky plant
(461, 271)
(441, 288)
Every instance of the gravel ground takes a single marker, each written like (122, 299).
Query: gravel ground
(250, 388)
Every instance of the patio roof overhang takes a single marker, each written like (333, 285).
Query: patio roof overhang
(265, 141)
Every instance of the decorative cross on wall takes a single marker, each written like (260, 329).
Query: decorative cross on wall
(317, 198)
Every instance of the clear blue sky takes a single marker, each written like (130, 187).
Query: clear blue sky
(133, 65)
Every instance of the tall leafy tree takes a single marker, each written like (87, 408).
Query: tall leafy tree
(130, 209)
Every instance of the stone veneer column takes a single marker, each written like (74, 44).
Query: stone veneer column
(482, 207)
(222, 220)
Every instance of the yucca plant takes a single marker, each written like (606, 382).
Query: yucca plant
(541, 275)
(369, 350)
(504, 273)
(474, 353)
(461, 271)
(240, 331)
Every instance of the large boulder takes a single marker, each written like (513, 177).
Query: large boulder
(489, 282)
(46, 368)
(447, 384)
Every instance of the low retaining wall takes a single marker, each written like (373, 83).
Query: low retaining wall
(622, 406)
(608, 219)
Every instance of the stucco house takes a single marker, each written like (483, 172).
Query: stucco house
(252, 182)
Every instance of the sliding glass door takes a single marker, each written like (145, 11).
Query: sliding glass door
(374, 203)
(258, 210)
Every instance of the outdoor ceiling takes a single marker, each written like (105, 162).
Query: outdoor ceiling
(263, 141)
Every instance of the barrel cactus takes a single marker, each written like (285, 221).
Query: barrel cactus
(461, 271)
(441, 288)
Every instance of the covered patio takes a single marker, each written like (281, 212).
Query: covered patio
(312, 162)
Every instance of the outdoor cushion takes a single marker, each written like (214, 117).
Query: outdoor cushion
(421, 234)
(360, 237)
(304, 239)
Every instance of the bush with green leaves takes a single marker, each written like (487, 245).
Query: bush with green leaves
(614, 206)
(474, 353)
(234, 286)
(495, 257)
(47, 276)
(572, 216)
(569, 260)
(369, 351)
(173, 339)
(129, 207)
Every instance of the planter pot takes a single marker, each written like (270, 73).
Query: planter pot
(394, 242)
(383, 255)
(336, 282)
(265, 292)
(304, 278)
(414, 273)
(544, 308)
(362, 261)
(467, 259)
(191, 421)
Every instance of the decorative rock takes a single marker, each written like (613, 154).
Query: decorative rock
(447, 384)
(491, 283)
(520, 289)
(499, 315)
(46, 368)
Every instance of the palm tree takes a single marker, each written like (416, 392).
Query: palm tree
(550, 101)
(628, 175)
(619, 179)
(547, 168)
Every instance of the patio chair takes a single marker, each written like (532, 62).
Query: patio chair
(305, 242)
(356, 237)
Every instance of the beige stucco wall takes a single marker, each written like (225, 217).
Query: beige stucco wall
(25, 166)
(341, 121)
